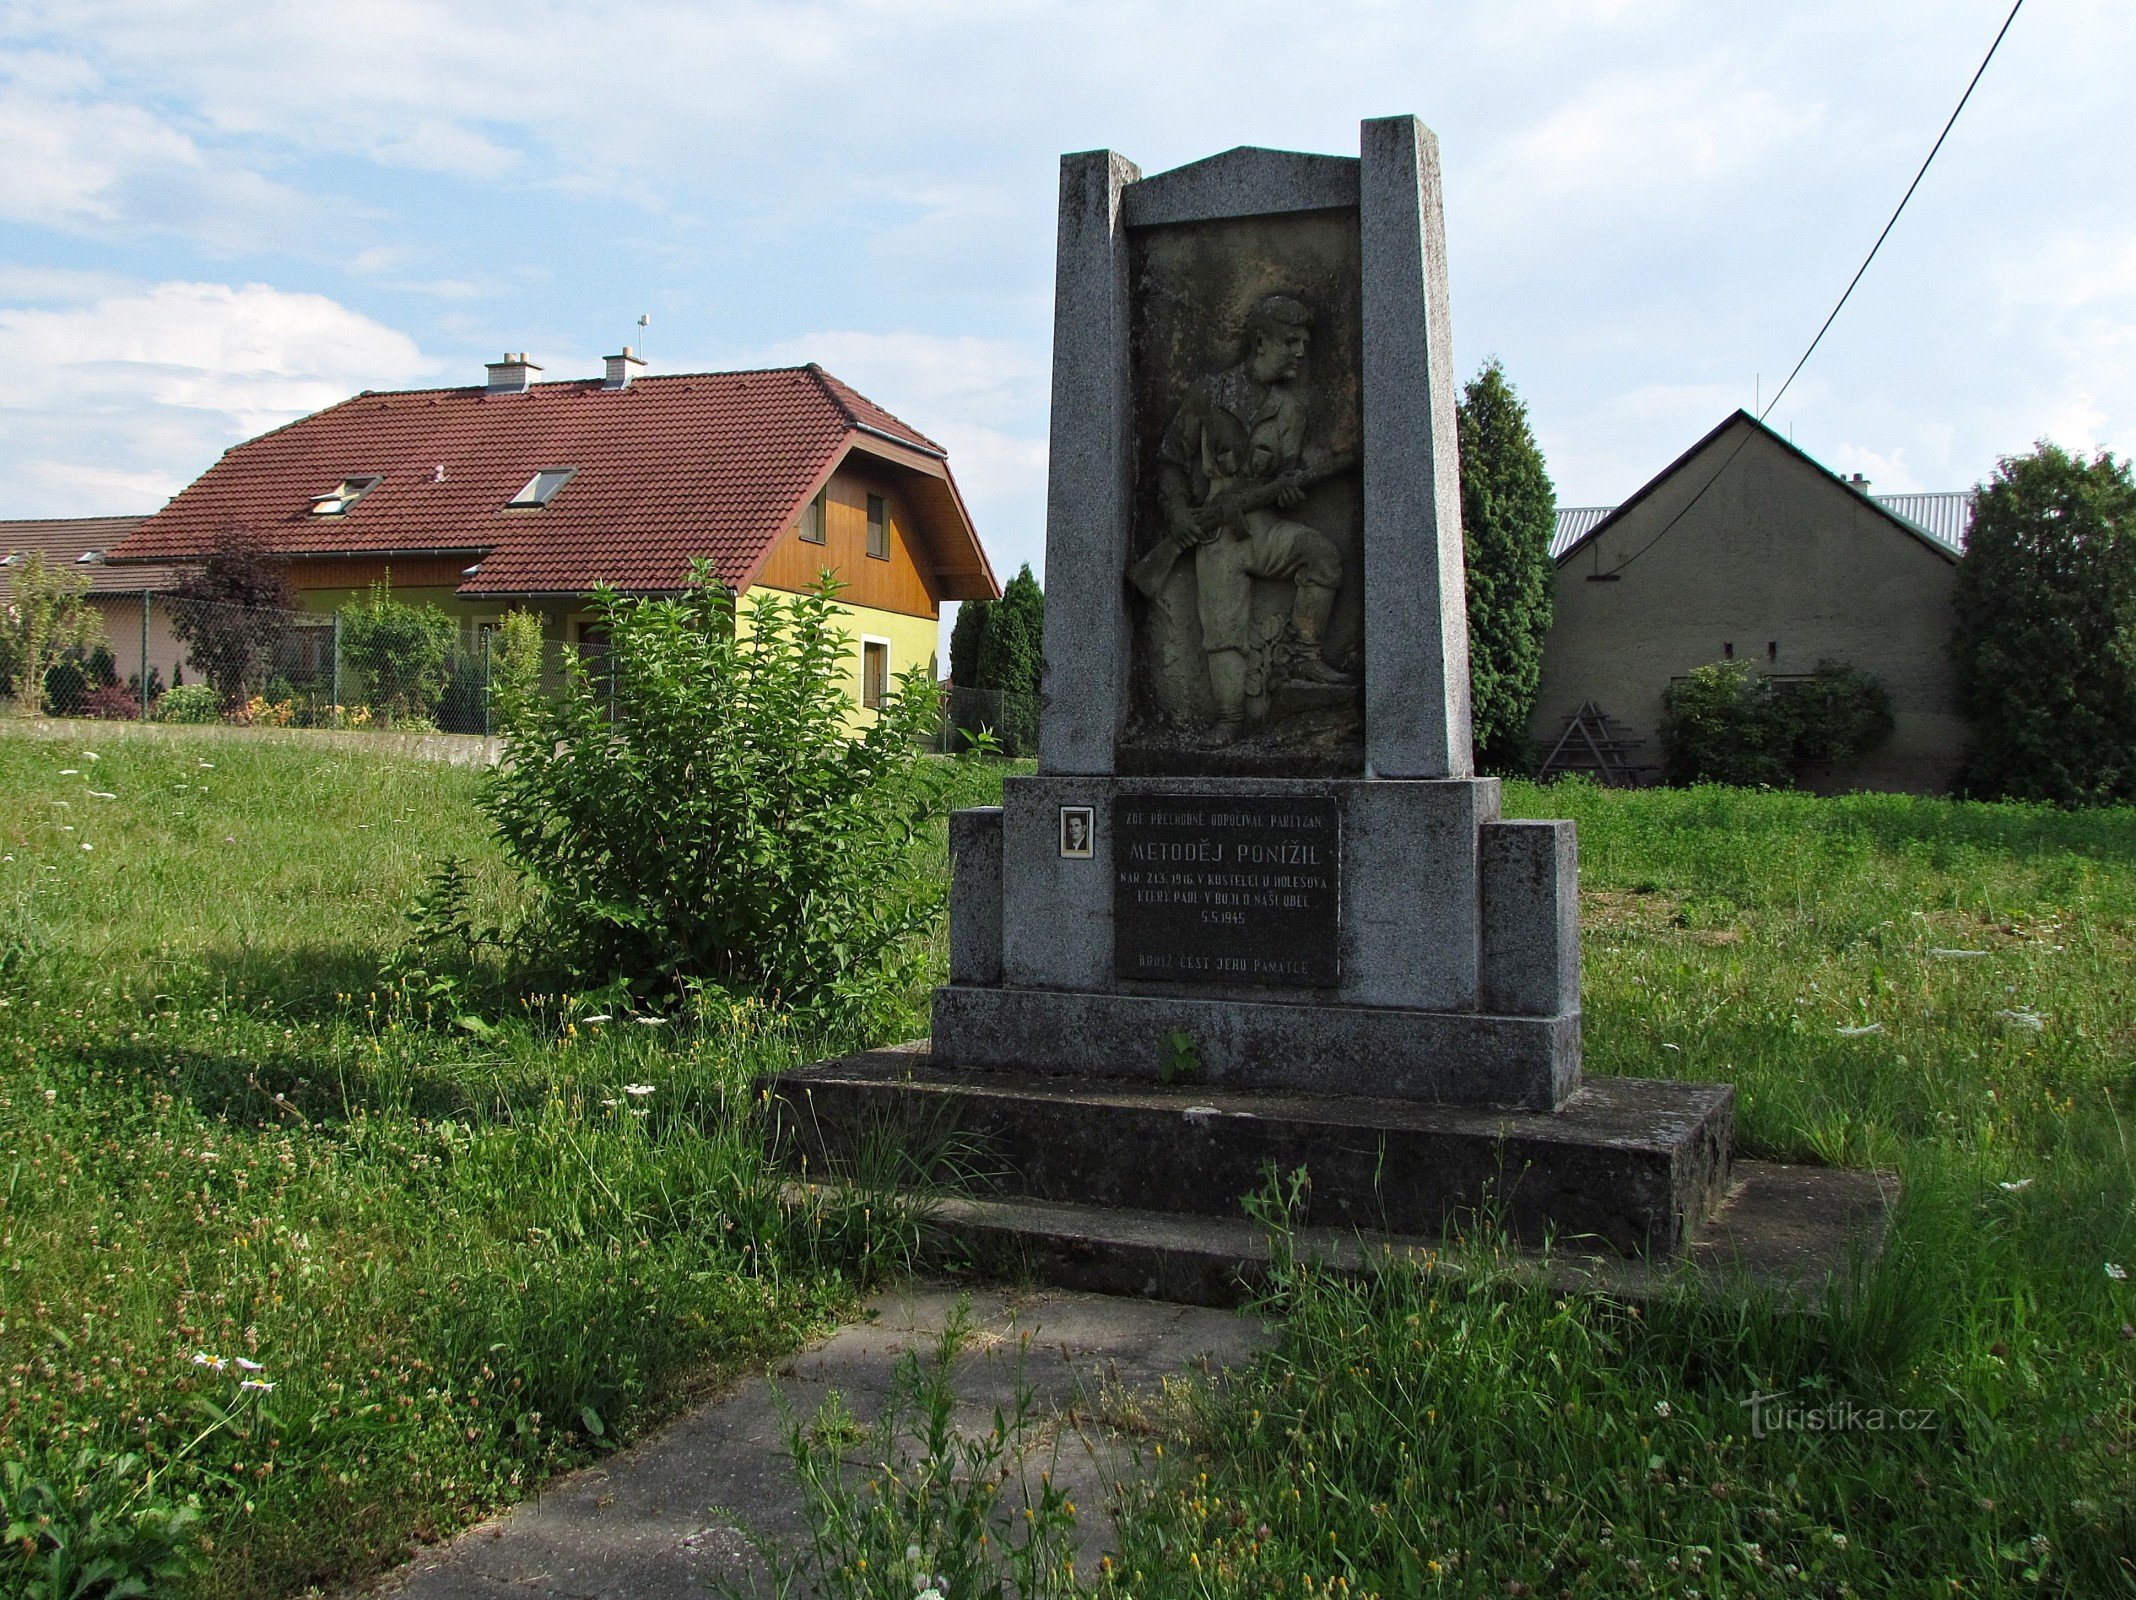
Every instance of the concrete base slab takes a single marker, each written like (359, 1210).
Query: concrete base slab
(1632, 1165)
(1793, 1231)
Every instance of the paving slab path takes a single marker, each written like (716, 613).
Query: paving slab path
(667, 1518)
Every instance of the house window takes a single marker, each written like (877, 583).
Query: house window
(878, 527)
(541, 488)
(874, 672)
(812, 519)
(345, 494)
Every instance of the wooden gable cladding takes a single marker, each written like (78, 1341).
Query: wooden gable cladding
(360, 572)
(899, 584)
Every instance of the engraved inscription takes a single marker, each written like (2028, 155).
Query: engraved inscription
(1227, 889)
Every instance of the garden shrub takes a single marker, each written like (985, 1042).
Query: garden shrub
(189, 702)
(516, 654)
(1722, 723)
(705, 814)
(400, 653)
(111, 703)
(1840, 714)
(1727, 722)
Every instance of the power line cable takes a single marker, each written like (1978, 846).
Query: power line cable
(1880, 238)
(1851, 282)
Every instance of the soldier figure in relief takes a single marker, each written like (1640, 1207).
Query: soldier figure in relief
(1240, 433)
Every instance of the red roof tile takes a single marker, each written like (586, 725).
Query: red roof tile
(712, 464)
(65, 540)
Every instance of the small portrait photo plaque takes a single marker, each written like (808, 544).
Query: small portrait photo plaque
(1078, 831)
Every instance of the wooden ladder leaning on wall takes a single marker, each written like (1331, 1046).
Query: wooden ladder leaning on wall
(1593, 744)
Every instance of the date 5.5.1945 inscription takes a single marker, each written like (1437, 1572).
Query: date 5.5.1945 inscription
(1233, 889)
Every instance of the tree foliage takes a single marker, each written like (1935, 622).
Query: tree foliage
(708, 815)
(232, 612)
(964, 640)
(1727, 722)
(47, 614)
(400, 656)
(998, 648)
(2045, 646)
(1508, 511)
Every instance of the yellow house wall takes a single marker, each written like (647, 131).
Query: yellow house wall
(911, 639)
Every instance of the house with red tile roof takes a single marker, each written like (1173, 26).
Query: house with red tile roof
(519, 493)
(128, 600)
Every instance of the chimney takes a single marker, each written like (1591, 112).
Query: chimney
(512, 374)
(619, 369)
(1858, 482)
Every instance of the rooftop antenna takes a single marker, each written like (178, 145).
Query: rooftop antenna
(645, 320)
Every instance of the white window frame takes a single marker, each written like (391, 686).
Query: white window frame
(528, 500)
(344, 494)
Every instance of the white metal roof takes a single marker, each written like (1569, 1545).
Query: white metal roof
(1944, 517)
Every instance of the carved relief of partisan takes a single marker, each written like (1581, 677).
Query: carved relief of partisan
(1232, 461)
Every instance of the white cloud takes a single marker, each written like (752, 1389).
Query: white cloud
(111, 405)
(101, 166)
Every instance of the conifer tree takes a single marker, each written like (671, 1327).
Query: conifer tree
(1011, 657)
(1508, 511)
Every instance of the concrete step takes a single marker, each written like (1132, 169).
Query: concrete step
(1792, 1231)
(1631, 1165)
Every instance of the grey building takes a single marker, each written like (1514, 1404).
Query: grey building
(1746, 548)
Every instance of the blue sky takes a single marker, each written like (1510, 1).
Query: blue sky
(218, 216)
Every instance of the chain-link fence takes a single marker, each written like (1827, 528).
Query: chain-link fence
(968, 714)
(393, 666)
(164, 659)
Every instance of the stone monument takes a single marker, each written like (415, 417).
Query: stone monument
(1256, 691)
(1255, 909)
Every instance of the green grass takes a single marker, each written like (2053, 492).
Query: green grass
(463, 1254)
(1421, 1435)
(226, 1133)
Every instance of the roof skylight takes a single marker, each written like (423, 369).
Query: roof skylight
(542, 487)
(347, 493)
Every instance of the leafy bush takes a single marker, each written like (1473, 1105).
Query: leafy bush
(2045, 647)
(400, 653)
(1840, 714)
(515, 655)
(189, 702)
(1726, 722)
(703, 816)
(112, 703)
(1722, 723)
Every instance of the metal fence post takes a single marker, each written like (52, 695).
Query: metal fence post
(487, 635)
(146, 600)
(337, 666)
